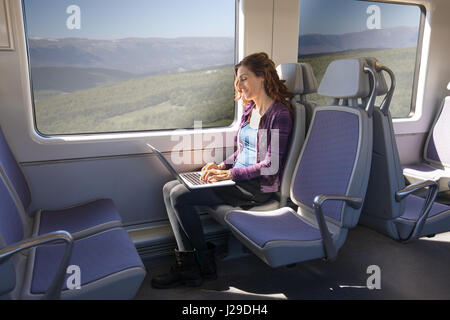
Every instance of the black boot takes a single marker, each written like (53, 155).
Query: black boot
(207, 261)
(185, 272)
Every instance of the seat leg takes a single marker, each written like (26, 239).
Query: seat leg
(235, 249)
(292, 265)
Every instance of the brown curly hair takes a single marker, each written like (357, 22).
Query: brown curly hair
(262, 66)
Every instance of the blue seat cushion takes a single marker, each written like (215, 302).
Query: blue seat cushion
(277, 225)
(423, 167)
(414, 207)
(98, 256)
(81, 217)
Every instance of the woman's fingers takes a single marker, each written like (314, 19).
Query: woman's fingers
(219, 175)
(207, 173)
(208, 166)
(213, 175)
(206, 176)
(215, 178)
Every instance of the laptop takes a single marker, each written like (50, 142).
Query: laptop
(191, 180)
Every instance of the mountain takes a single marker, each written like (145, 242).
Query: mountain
(69, 79)
(399, 37)
(133, 55)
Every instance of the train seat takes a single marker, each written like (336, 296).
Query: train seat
(310, 86)
(436, 154)
(296, 81)
(80, 220)
(330, 178)
(108, 264)
(294, 77)
(390, 207)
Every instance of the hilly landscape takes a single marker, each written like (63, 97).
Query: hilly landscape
(134, 84)
(70, 79)
(400, 61)
(168, 101)
(60, 66)
(399, 37)
(133, 55)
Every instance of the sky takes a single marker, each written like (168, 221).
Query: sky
(117, 19)
(344, 16)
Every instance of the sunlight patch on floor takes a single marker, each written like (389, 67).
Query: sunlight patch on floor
(251, 295)
(443, 237)
(341, 286)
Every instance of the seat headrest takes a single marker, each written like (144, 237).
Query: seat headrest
(310, 84)
(382, 87)
(293, 75)
(345, 79)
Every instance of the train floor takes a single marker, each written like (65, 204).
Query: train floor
(418, 270)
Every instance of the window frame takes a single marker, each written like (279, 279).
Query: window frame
(412, 111)
(137, 133)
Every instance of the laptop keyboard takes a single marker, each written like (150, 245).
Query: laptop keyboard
(194, 178)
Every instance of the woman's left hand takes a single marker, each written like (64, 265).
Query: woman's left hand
(214, 175)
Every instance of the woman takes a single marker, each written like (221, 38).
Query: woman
(255, 169)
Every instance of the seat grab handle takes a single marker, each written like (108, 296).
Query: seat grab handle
(329, 247)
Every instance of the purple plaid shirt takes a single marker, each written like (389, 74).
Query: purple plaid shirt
(277, 123)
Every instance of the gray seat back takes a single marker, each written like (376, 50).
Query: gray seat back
(334, 161)
(310, 86)
(16, 182)
(11, 231)
(292, 73)
(399, 219)
(437, 146)
(386, 176)
(335, 158)
(13, 172)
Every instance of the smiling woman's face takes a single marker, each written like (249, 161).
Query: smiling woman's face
(250, 85)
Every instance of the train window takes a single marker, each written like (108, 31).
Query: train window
(120, 66)
(331, 29)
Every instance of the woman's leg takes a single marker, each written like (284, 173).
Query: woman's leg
(192, 265)
(180, 236)
(180, 205)
(188, 224)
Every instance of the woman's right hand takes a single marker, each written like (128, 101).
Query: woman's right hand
(210, 166)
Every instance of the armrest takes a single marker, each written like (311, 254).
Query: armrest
(330, 249)
(384, 107)
(373, 96)
(54, 291)
(403, 193)
(433, 189)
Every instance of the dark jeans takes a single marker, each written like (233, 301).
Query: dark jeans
(180, 204)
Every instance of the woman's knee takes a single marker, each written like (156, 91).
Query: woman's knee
(169, 186)
(179, 194)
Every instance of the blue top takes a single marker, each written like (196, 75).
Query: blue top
(247, 139)
(279, 118)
